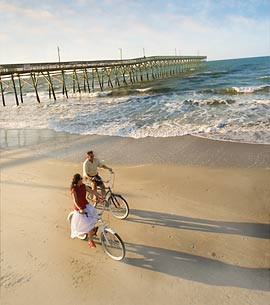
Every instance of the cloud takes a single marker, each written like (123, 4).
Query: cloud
(19, 12)
(86, 29)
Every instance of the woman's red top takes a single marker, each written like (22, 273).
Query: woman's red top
(81, 196)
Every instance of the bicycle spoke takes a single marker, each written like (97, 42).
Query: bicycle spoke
(118, 206)
(113, 245)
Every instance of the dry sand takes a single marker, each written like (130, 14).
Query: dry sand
(197, 233)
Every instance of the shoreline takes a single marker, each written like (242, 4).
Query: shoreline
(183, 150)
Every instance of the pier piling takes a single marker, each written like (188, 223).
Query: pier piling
(2, 93)
(90, 76)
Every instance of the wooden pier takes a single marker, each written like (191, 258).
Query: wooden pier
(89, 76)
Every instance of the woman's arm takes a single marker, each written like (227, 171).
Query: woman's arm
(75, 201)
(93, 192)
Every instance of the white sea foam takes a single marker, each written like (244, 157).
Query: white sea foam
(248, 89)
(266, 77)
(135, 118)
(100, 94)
(144, 89)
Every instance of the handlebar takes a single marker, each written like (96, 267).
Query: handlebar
(112, 174)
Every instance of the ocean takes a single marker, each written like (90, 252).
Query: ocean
(227, 100)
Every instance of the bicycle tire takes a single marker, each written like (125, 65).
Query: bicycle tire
(118, 206)
(112, 245)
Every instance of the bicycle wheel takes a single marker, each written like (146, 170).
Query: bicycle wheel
(112, 245)
(118, 206)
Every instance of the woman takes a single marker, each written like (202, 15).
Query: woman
(85, 215)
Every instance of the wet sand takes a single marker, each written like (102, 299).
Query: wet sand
(197, 233)
(186, 150)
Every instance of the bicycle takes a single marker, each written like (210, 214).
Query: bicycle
(116, 203)
(111, 242)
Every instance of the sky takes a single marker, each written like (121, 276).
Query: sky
(31, 31)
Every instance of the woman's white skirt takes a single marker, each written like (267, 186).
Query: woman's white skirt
(81, 224)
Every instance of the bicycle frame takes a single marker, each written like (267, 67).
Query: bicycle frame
(104, 227)
(116, 203)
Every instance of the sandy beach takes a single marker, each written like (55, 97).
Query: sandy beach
(197, 233)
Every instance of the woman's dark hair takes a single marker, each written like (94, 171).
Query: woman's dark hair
(76, 178)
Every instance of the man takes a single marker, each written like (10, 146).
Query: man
(90, 172)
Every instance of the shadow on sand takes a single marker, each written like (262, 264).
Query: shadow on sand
(193, 267)
(196, 268)
(258, 230)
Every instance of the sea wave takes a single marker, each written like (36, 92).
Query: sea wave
(225, 130)
(264, 78)
(153, 90)
(209, 102)
(238, 90)
(215, 73)
(100, 94)
(144, 89)
(130, 91)
(179, 119)
(263, 89)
